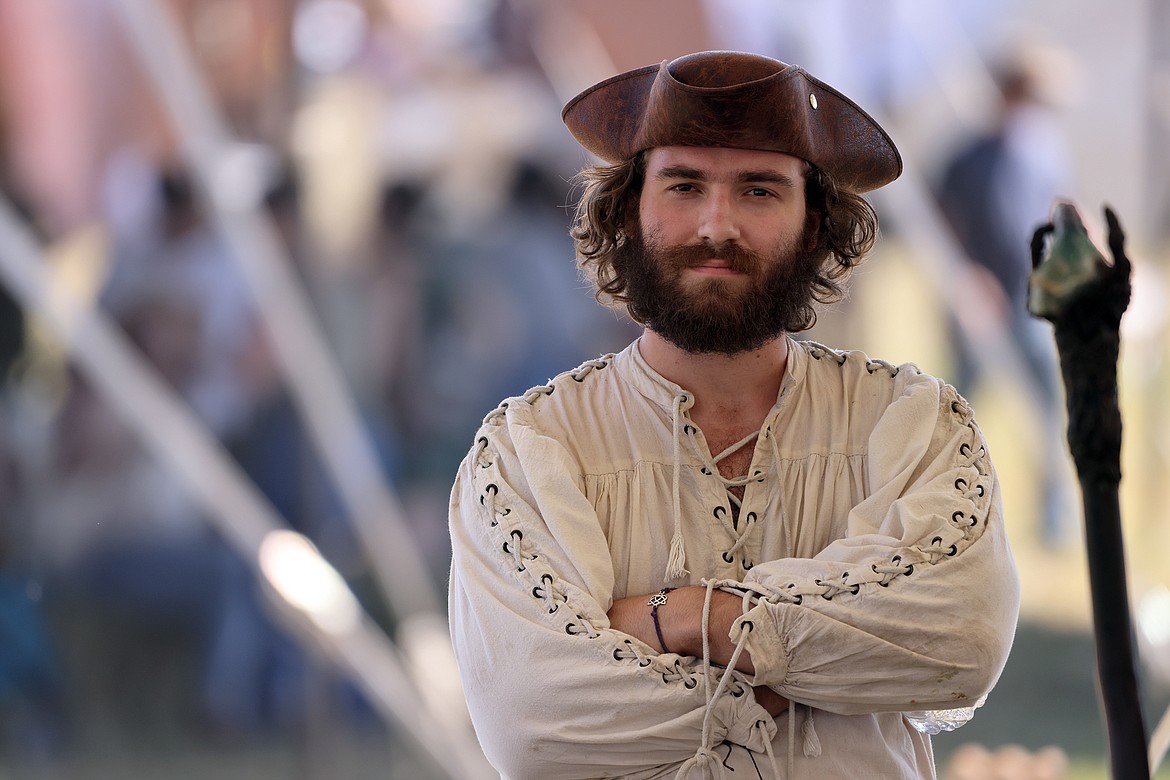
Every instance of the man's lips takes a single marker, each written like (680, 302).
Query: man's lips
(715, 268)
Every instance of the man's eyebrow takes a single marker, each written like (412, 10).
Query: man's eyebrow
(765, 176)
(680, 172)
(743, 177)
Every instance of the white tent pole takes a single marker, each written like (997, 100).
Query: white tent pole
(173, 433)
(221, 172)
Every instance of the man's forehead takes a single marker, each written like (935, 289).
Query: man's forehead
(719, 159)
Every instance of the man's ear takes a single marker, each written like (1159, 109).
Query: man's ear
(812, 230)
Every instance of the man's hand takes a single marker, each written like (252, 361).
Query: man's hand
(773, 702)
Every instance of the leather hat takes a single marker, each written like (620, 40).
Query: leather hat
(738, 100)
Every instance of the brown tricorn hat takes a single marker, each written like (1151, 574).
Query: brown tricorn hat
(732, 99)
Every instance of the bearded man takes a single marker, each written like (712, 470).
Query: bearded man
(725, 552)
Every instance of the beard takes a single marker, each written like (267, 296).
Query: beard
(718, 315)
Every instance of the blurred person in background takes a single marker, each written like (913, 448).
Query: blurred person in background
(168, 614)
(994, 190)
(34, 724)
(724, 549)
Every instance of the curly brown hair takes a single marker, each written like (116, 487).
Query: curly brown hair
(609, 205)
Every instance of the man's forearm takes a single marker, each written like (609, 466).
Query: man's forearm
(681, 622)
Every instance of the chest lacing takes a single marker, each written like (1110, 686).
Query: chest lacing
(737, 525)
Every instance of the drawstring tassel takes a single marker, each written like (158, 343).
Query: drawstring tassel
(812, 743)
(676, 563)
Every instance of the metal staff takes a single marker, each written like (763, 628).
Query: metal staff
(1083, 296)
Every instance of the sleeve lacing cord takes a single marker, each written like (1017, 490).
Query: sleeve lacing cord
(546, 587)
(956, 535)
(581, 626)
(481, 445)
(818, 351)
(588, 367)
(875, 364)
(534, 393)
(496, 416)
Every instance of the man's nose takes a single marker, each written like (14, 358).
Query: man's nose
(717, 221)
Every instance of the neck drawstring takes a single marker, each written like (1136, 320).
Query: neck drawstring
(676, 563)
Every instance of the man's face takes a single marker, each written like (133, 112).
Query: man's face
(718, 260)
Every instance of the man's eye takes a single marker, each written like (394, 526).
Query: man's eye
(759, 192)
(684, 187)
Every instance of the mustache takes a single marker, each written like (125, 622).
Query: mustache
(737, 258)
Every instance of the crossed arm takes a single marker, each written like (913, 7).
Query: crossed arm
(681, 622)
(926, 619)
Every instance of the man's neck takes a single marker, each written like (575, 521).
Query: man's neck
(731, 391)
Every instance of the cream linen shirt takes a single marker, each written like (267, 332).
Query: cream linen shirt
(869, 550)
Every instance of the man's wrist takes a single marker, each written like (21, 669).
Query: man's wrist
(682, 624)
(682, 620)
(659, 599)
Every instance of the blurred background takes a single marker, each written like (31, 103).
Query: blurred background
(265, 265)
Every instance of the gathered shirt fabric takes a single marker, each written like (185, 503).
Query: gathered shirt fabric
(869, 549)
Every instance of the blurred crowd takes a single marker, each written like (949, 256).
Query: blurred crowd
(441, 286)
(420, 184)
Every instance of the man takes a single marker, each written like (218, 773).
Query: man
(723, 552)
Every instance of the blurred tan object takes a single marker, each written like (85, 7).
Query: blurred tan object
(580, 42)
(1011, 762)
(639, 35)
(80, 261)
(334, 137)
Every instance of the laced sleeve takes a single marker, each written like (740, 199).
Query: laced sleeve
(915, 608)
(553, 691)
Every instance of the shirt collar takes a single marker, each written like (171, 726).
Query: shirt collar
(661, 391)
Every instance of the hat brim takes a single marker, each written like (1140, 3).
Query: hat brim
(737, 100)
